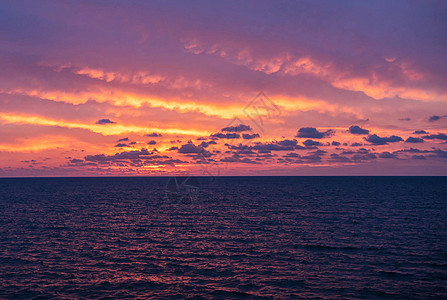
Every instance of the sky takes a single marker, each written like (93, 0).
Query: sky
(125, 88)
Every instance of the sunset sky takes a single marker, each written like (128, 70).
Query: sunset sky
(118, 88)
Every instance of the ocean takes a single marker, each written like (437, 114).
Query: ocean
(223, 238)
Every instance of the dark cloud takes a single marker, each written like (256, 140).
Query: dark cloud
(414, 140)
(121, 145)
(226, 135)
(387, 154)
(420, 132)
(237, 159)
(436, 118)
(356, 145)
(318, 152)
(76, 161)
(238, 128)
(377, 140)
(190, 148)
(126, 155)
(347, 152)
(311, 158)
(354, 129)
(340, 158)
(172, 149)
(405, 119)
(438, 153)
(412, 150)
(206, 144)
(154, 134)
(287, 143)
(104, 122)
(284, 145)
(439, 136)
(152, 142)
(248, 136)
(310, 143)
(334, 143)
(293, 158)
(311, 132)
(123, 139)
(266, 148)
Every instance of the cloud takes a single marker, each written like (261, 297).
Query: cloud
(121, 145)
(237, 159)
(76, 161)
(126, 155)
(190, 148)
(311, 132)
(206, 144)
(357, 130)
(310, 143)
(387, 154)
(266, 148)
(238, 128)
(435, 118)
(152, 142)
(377, 140)
(123, 139)
(420, 132)
(226, 135)
(340, 158)
(335, 143)
(284, 145)
(287, 143)
(412, 150)
(356, 144)
(154, 134)
(418, 157)
(439, 136)
(414, 140)
(247, 136)
(104, 122)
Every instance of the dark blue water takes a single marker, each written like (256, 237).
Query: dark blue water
(240, 237)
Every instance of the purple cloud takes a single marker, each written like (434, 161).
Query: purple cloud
(439, 136)
(377, 140)
(247, 136)
(358, 130)
(436, 118)
(238, 128)
(226, 135)
(154, 134)
(104, 122)
(190, 148)
(414, 140)
(310, 143)
(311, 132)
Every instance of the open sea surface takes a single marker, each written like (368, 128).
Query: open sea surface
(223, 238)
